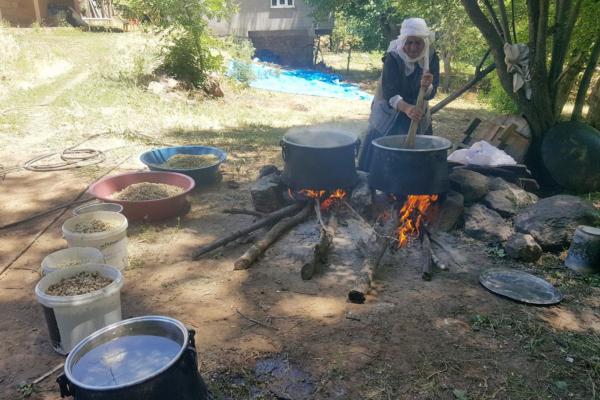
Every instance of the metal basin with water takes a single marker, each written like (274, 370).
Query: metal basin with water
(148, 358)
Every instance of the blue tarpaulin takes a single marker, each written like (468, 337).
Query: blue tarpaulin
(303, 81)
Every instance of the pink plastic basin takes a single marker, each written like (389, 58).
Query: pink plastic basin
(150, 210)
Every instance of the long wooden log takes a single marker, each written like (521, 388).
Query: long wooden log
(243, 211)
(274, 233)
(362, 284)
(269, 219)
(426, 254)
(319, 256)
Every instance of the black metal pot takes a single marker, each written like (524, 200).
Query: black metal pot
(319, 160)
(177, 378)
(422, 170)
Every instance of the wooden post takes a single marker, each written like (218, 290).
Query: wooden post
(36, 7)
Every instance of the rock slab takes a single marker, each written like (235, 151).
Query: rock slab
(486, 225)
(450, 213)
(472, 185)
(266, 193)
(523, 247)
(553, 220)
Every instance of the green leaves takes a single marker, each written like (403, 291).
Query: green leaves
(187, 44)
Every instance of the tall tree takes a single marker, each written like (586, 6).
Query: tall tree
(551, 28)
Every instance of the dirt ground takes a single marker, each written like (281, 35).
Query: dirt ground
(412, 339)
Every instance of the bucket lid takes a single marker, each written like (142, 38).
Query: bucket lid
(126, 353)
(319, 138)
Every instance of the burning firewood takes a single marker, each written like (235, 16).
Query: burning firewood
(362, 284)
(268, 220)
(243, 211)
(319, 255)
(274, 233)
(426, 254)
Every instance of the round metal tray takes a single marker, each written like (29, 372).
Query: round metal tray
(520, 286)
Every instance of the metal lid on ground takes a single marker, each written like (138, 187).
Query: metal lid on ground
(319, 137)
(520, 286)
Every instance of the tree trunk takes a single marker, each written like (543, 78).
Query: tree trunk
(593, 116)
(349, 56)
(585, 80)
(447, 71)
(539, 109)
(566, 82)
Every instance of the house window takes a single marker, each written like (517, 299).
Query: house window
(282, 3)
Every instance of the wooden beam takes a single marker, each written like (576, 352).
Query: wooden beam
(38, 15)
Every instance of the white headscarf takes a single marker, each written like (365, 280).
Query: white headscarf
(413, 27)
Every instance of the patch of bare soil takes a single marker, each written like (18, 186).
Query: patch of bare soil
(444, 339)
(411, 340)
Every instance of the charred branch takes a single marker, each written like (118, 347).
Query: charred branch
(268, 220)
(318, 257)
(362, 284)
(243, 211)
(246, 260)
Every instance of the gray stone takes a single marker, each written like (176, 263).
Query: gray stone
(472, 185)
(486, 225)
(496, 183)
(501, 201)
(361, 197)
(267, 170)
(553, 220)
(506, 198)
(523, 247)
(450, 212)
(266, 193)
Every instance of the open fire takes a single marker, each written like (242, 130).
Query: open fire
(326, 199)
(413, 215)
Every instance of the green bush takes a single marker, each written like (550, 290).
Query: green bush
(241, 71)
(187, 49)
(188, 58)
(497, 98)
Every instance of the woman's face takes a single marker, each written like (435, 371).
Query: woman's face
(413, 47)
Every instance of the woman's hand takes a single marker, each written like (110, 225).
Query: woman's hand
(411, 111)
(426, 80)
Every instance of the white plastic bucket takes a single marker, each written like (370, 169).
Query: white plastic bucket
(70, 319)
(112, 243)
(86, 208)
(71, 257)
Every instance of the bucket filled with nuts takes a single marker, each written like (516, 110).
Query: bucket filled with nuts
(103, 230)
(79, 300)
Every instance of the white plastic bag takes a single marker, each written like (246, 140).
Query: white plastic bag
(482, 153)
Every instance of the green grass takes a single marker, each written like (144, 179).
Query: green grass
(552, 347)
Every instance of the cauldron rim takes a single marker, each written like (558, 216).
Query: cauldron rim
(69, 362)
(289, 138)
(444, 144)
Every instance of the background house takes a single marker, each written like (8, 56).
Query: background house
(23, 12)
(26, 12)
(283, 31)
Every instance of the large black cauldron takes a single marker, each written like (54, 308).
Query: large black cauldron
(106, 365)
(422, 170)
(319, 159)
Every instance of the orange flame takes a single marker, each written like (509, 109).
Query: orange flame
(333, 197)
(411, 216)
(337, 195)
(313, 194)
